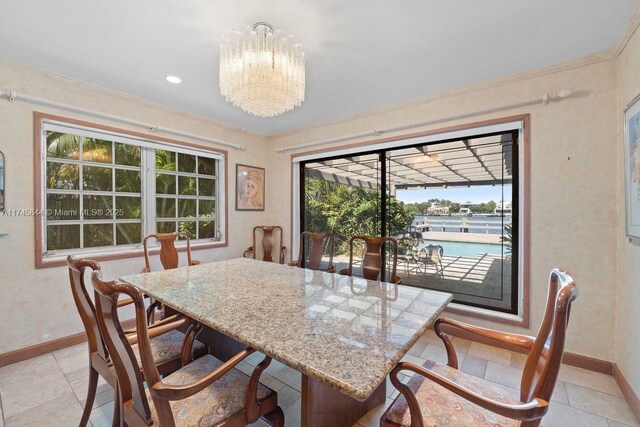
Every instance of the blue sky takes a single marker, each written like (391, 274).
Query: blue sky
(456, 194)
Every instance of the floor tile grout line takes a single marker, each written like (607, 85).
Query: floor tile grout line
(592, 413)
(67, 379)
(593, 389)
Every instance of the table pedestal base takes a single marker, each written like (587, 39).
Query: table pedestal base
(325, 406)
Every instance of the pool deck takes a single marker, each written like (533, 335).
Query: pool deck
(483, 280)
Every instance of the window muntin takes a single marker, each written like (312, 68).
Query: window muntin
(99, 189)
(186, 194)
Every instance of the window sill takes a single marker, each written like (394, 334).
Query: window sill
(61, 260)
(519, 320)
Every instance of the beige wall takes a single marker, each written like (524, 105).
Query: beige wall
(36, 305)
(573, 180)
(628, 312)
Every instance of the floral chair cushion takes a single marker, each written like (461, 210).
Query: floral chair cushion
(441, 407)
(215, 403)
(167, 347)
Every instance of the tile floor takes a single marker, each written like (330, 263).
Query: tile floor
(50, 390)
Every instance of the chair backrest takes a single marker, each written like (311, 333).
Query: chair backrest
(431, 254)
(85, 306)
(314, 258)
(130, 379)
(372, 257)
(270, 238)
(545, 357)
(168, 252)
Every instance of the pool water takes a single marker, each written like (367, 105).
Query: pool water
(464, 248)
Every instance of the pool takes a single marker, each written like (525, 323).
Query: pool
(464, 248)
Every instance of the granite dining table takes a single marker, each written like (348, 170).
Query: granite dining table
(343, 334)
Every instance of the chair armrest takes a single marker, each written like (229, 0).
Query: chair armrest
(124, 302)
(161, 329)
(186, 351)
(283, 250)
(248, 251)
(195, 262)
(166, 391)
(396, 280)
(145, 270)
(533, 410)
(293, 263)
(251, 404)
(169, 319)
(522, 341)
(331, 269)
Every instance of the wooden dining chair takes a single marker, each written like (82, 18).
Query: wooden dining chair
(314, 258)
(372, 258)
(270, 247)
(442, 395)
(169, 256)
(168, 351)
(204, 392)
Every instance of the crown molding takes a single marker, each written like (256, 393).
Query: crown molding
(487, 84)
(627, 32)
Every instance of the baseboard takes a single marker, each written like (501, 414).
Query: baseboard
(25, 353)
(572, 359)
(587, 362)
(628, 393)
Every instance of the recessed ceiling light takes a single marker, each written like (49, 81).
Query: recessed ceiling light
(174, 79)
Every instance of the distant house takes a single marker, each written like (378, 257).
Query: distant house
(465, 208)
(503, 209)
(437, 209)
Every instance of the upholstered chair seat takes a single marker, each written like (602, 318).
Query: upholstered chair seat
(441, 407)
(216, 403)
(168, 347)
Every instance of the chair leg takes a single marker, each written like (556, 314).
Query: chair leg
(91, 395)
(275, 418)
(118, 420)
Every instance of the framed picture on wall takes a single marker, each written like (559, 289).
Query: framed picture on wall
(249, 188)
(632, 167)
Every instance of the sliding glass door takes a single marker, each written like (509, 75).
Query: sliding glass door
(452, 205)
(342, 196)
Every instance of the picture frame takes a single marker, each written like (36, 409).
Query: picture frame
(632, 168)
(250, 185)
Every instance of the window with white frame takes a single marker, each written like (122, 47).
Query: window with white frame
(104, 191)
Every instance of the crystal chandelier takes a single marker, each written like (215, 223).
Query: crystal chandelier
(261, 71)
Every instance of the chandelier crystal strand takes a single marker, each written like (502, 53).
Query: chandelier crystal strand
(261, 71)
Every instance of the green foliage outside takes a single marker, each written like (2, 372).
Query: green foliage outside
(348, 211)
(62, 175)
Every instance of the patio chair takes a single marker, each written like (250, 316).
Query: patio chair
(431, 255)
(409, 260)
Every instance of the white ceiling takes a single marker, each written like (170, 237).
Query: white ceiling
(360, 54)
